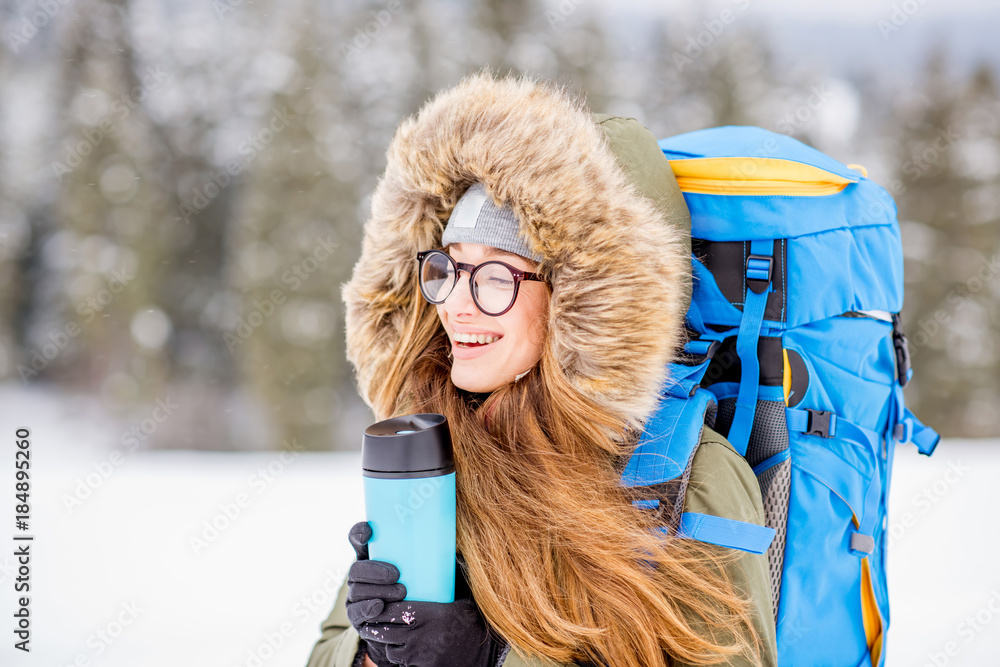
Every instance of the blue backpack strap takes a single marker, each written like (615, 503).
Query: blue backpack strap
(913, 430)
(826, 424)
(685, 378)
(726, 532)
(758, 283)
(665, 451)
(863, 540)
(907, 428)
(669, 440)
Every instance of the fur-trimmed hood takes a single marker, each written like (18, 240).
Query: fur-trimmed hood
(594, 196)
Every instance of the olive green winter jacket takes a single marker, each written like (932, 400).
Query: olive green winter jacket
(721, 484)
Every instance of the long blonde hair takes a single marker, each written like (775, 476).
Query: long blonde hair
(560, 562)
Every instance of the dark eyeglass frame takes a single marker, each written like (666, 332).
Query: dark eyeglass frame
(472, 269)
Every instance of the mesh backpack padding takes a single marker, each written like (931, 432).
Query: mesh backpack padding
(724, 415)
(769, 436)
(776, 485)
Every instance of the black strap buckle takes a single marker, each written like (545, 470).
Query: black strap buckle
(899, 342)
(819, 423)
(688, 359)
(758, 272)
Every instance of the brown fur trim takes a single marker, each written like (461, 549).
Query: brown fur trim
(615, 264)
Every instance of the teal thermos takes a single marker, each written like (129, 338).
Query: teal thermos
(409, 477)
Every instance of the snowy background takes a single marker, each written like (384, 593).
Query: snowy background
(271, 576)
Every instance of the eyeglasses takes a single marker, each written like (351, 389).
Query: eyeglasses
(494, 283)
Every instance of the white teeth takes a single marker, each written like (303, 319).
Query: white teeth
(476, 338)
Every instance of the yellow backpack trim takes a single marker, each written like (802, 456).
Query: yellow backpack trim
(870, 614)
(755, 176)
(786, 375)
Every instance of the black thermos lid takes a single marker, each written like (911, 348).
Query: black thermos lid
(408, 446)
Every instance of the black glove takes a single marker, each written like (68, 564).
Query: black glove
(434, 634)
(371, 584)
(415, 633)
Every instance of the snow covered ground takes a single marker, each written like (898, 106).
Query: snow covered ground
(135, 575)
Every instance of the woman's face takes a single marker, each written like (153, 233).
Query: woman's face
(518, 334)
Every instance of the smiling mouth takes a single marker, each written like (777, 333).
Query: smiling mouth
(475, 340)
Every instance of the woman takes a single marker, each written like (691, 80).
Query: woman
(546, 362)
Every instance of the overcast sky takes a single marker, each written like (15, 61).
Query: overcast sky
(842, 10)
(896, 36)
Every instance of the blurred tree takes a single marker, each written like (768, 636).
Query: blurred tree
(583, 61)
(212, 156)
(691, 86)
(948, 160)
(289, 255)
(500, 25)
(11, 238)
(96, 322)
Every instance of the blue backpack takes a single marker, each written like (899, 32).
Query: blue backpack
(797, 356)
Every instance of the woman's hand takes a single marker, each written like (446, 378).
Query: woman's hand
(432, 634)
(396, 631)
(371, 585)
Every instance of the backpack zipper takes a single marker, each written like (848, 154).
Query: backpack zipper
(703, 186)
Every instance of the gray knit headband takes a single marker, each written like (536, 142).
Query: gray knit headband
(476, 219)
